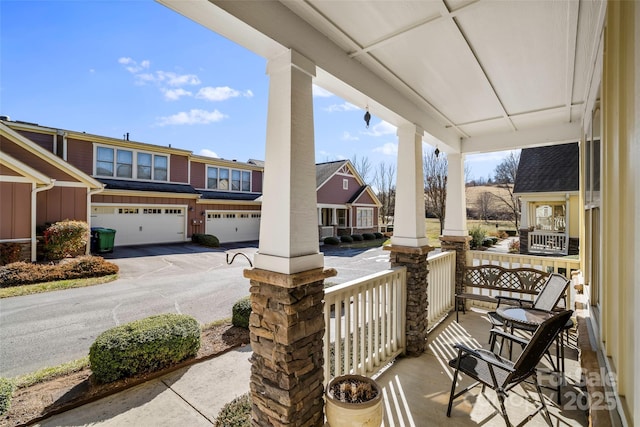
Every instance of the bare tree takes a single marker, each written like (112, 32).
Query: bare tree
(363, 167)
(435, 169)
(505, 177)
(384, 183)
(484, 203)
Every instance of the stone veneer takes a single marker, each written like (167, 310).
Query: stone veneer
(415, 260)
(459, 244)
(286, 330)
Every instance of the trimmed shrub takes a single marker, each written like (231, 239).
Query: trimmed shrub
(6, 390)
(25, 273)
(477, 236)
(240, 313)
(331, 241)
(494, 240)
(369, 236)
(487, 242)
(9, 253)
(346, 239)
(236, 413)
(195, 237)
(208, 240)
(357, 237)
(65, 238)
(144, 345)
(378, 235)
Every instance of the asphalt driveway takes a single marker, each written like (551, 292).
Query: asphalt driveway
(51, 328)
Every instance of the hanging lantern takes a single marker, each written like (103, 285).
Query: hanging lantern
(437, 152)
(367, 117)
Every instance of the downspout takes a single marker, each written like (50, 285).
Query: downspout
(90, 194)
(34, 195)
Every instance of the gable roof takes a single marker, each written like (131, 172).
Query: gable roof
(23, 169)
(365, 189)
(548, 169)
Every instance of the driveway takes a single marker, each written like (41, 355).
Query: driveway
(51, 328)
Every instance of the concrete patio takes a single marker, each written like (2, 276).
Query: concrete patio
(416, 389)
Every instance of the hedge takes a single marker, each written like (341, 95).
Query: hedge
(346, 239)
(236, 413)
(241, 311)
(205, 240)
(369, 236)
(331, 241)
(144, 345)
(357, 237)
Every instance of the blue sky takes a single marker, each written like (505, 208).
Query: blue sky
(116, 66)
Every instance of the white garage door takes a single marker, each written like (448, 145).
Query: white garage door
(233, 226)
(139, 225)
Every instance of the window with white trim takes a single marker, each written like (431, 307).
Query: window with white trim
(364, 217)
(345, 184)
(218, 179)
(119, 163)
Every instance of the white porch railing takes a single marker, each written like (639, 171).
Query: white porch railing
(562, 266)
(548, 242)
(442, 283)
(326, 231)
(364, 323)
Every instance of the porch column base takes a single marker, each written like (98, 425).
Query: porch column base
(286, 328)
(459, 244)
(415, 260)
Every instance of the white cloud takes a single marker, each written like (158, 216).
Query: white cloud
(388, 149)
(192, 117)
(346, 106)
(382, 128)
(175, 94)
(221, 93)
(346, 136)
(208, 153)
(321, 93)
(132, 66)
(173, 79)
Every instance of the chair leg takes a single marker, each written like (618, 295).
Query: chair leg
(541, 397)
(501, 397)
(453, 389)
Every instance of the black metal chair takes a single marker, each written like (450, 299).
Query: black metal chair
(501, 374)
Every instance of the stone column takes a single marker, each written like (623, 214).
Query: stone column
(415, 260)
(459, 244)
(286, 329)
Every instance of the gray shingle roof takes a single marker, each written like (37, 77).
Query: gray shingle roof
(325, 170)
(547, 169)
(117, 184)
(229, 195)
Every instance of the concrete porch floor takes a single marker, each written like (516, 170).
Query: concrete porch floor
(416, 389)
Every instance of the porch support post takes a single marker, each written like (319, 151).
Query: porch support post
(409, 245)
(287, 324)
(455, 236)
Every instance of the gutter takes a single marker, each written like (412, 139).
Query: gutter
(34, 192)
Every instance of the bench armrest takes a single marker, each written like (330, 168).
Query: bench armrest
(519, 301)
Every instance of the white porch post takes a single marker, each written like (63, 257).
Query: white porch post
(288, 231)
(409, 223)
(319, 216)
(455, 221)
(334, 216)
(524, 213)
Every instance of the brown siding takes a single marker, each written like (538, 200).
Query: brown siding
(60, 203)
(179, 168)
(15, 210)
(80, 155)
(43, 140)
(365, 199)
(198, 175)
(8, 172)
(34, 161)
(256, 181)
(332, 192)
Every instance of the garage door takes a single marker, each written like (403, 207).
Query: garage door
(233, 226)
(139, 225)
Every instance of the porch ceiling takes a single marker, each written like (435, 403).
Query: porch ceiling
(477, 75)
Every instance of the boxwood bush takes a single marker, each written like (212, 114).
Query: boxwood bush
(378, 235)
(346, 239)
(206, 240)
(357, 237)
(331, 241)
(6, 390)
(369, 236)
(236, 413)
(144, 345)
(241, 311)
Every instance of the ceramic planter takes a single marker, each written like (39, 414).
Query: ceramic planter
(353, 414)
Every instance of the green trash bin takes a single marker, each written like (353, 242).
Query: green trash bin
(102, 239)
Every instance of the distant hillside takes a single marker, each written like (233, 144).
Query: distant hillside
(478, 200)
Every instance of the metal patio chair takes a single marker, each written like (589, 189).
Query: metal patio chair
(501, 374)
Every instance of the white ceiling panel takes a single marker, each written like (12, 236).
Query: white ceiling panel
(541, 118)
(486, 127)
(522, 47)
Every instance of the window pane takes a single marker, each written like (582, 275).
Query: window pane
(125, 164)
(246, 181)
(212, 178)
(235, 180)
(144, 166)
(104, 161)
(160, 168)
(223, 182)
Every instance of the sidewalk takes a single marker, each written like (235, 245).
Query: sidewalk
(191, 396)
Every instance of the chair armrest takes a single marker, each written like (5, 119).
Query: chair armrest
(490, 358)
(518, 340)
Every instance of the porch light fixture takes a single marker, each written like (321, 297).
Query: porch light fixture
(437, 152)
(367, 117)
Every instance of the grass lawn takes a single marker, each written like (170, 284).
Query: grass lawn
(16, 291)
(433, 228)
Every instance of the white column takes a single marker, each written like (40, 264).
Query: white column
(334, 218)
(524, 213)
(408, 225)
(289, 229)
(319, 216)
(455, 218)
